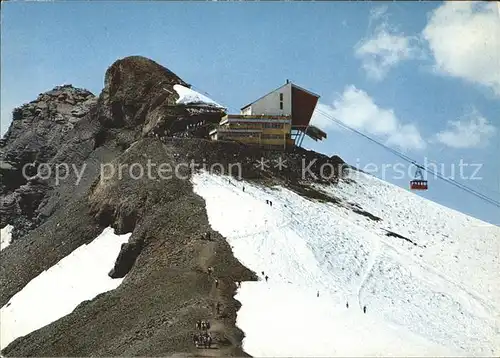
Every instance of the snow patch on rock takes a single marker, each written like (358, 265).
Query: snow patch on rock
(189, 96)
(56, 292)
(5, 236)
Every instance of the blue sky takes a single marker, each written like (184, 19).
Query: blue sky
(423, 78)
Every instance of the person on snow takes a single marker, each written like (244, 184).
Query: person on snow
(207, 325)
(216, 283)
(347, 305)
(364, 309)
(266, 278)
(317, 294)
(203, 325)
(263, 273)
(198, 324)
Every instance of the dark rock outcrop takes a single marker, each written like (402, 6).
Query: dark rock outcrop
(134, 87)
(126, 259)
(38, 132)
(39, 128)
(139, 94)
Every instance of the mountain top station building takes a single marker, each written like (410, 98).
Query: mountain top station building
(277, 120)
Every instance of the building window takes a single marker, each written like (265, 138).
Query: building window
(281, 96)
(273, 125)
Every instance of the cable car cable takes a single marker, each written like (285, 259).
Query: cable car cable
(405, 157)
(414, 162)
(481, 186)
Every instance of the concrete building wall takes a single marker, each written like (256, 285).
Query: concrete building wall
(271, 103)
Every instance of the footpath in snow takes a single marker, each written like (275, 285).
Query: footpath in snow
(420, 299)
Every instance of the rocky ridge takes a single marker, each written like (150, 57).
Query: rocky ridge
(166, 286)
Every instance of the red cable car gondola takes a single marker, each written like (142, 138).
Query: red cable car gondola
(418, 183)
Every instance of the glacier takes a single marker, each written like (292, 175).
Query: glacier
(427, 275)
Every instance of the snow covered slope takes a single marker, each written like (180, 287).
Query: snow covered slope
(189, 96)
(431, 288)
(54, 293)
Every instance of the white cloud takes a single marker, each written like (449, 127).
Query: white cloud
(357, 109)
(464, 38)
(407, 136)
(384, 49)
(321, 115)
(472, 133)
(378, 12)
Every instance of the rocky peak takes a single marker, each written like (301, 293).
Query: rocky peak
(43, 123)
(62, 104)
(139, 95)
(68, 125)
(134, 86)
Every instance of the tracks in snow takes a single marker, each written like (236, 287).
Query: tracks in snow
(374, 255)
(378, 246)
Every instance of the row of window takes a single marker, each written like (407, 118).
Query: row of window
(273, 125)
(236, 134)
(257, 125)
(243, 126)
(272, 136)
(247, 135)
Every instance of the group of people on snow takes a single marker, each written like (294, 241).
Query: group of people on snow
(268, 202)
(347, 306)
